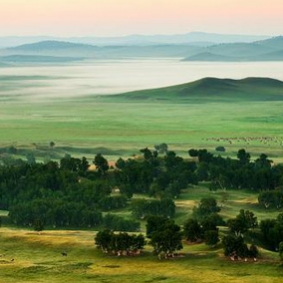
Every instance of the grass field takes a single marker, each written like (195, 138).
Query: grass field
(202, 114)
(27, 256)
(120, 127)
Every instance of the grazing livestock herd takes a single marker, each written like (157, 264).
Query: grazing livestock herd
(265, 140)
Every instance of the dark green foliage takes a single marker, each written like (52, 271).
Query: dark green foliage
(143, 208)
(38, 225)
(248, 217)
(167, 239)
(193, 152)
(243, 221)
(162, 177)
(243, 156)
(220, 148)
(56, 213)
(195, 231)
(192, 230)
(101, 164)
(202, 154)
(206, 207)
(119, 244)
(74, 164)
(272, 232)
(161, 148)
(271, 199)
(211, 237)
(253, 251)
(109, 203)
(234, 245)
(237, 226)
(281, 250)
(103, 239)
(154, 223)
(117, 223)
(148, 154)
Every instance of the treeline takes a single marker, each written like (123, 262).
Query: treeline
(241, 173)
(167, 238)
(67, 193)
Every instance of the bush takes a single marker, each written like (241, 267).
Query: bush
(220, 148)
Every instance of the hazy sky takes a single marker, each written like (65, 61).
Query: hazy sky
(123, 17)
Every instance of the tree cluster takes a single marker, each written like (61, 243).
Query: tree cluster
(119, 244)
(241, 173)
(142, 208)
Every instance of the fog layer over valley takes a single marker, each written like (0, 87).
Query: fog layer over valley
(103, 77)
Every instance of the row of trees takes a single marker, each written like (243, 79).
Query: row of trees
(68, 185)
(241, 173)
(119, 244)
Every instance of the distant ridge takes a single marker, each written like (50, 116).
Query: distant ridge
(50, 45)
(198, 38)
(264, 50)
(214, 89)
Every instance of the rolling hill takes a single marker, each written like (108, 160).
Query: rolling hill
(265, 50)
(195, 38)
(68, 49)
(213, 89)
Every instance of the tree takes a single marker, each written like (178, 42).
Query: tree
(253, 251)
(211, 237)
(154, 223)
(147, 154)
(220, 148)
(193, 152)
(247, 217)
(161, 148)
(167, 239)
(38, 225)
(237, 226)
(263, 162)
(206, 207)
(234, 245)
(192, 230)
(117, 223)
(119, 244)
(103, 240)
(271, 199)
(101, 164)
(281, 250)
(243, 156)
(52, 144)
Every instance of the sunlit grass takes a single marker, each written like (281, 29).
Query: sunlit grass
(37, 258)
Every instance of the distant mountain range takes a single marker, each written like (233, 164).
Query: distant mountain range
(265, 50)
(47, 51)
(212, 89)
(195, 38)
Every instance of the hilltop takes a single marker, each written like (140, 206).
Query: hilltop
(213, 89)
(264, 50)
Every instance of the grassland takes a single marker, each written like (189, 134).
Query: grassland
(37, 257)
(121, 125)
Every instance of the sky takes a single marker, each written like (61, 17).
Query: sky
(125, 17)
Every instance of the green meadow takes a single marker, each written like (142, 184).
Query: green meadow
(222, 114)
(234, 115)
(28, 256)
